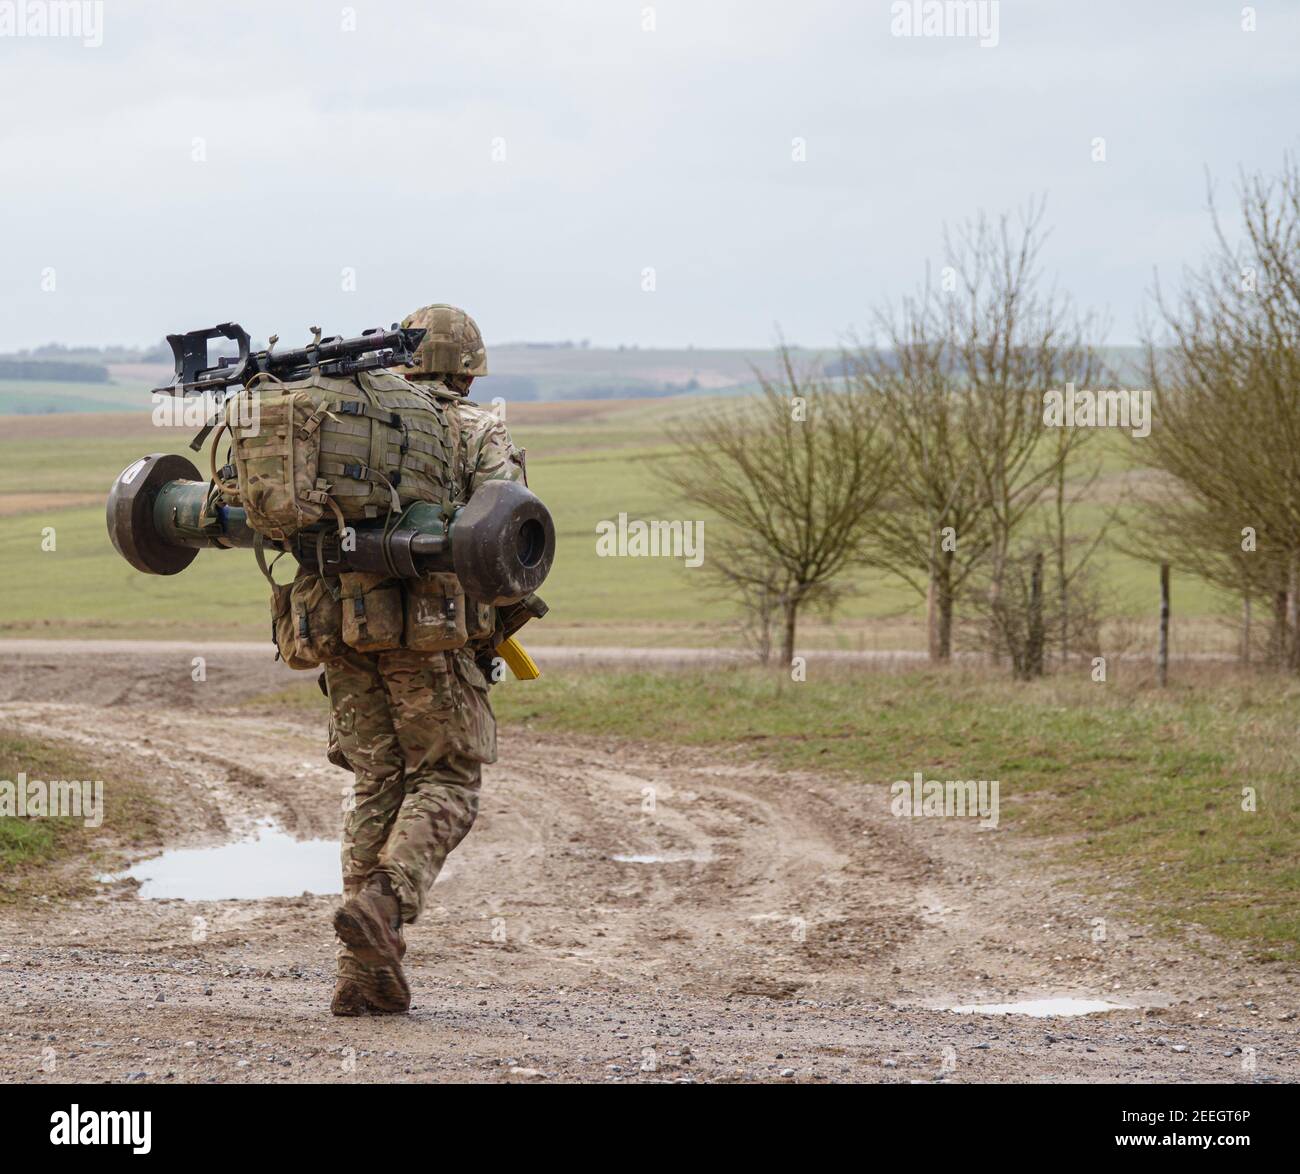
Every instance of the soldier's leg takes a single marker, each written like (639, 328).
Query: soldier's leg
(446, 731)
(361, 728)
(363, 725)
(440, 806)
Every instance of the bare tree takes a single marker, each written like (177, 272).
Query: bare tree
(960, 371)
(792, 474)
(749, 577)
(1225, 374)
(1077, 596)
(930, 529)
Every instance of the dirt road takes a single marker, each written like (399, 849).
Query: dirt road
(790, 930)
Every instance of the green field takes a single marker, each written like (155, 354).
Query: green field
(588, 461)
(27, 397)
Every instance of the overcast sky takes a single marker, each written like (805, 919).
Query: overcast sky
(227, 160)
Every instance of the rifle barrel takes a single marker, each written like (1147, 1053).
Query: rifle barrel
(329, 349)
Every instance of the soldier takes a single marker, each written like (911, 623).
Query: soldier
(414, 727)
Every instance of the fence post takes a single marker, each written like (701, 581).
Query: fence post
(1037, 636)
(1163, 655)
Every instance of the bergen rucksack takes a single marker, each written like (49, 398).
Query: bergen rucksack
(360, 447)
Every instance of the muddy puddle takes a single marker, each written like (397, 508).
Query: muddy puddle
(270, 864)
(1041, 1008)
(662, 857)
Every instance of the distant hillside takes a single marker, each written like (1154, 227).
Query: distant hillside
(118, 379)
(521, 372)
(52, 370)
(57, 351)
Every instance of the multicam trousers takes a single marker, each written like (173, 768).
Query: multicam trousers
(415, 728)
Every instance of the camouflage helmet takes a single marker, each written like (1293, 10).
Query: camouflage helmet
(451, 346)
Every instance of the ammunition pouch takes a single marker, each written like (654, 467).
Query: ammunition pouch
(435, 613)
(306, 617)
(317, 620)
(372, 611)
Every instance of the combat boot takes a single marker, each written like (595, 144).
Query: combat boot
(371, 924)
(362, 991)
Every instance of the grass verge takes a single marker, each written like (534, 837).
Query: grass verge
(34, 850)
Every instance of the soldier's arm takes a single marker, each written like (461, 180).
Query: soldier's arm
(494, 457)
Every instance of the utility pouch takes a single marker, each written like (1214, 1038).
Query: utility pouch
(316, 619)
(435, 613)
(372, 611)
(282, 627)
(274, 457)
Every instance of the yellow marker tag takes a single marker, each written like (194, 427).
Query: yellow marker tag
(521, 664)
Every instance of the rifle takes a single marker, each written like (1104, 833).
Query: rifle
(335, 356)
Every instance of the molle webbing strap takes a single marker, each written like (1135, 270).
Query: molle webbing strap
(356, 472)
(350, 407)
(364, 473)
(259, 553)
(357, 408)
(222, 412)
(331, 583)
(202, 435)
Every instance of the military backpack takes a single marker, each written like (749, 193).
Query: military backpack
(360, 447)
